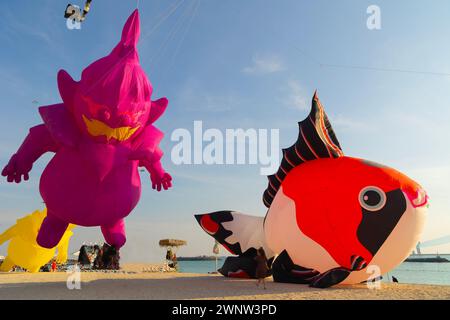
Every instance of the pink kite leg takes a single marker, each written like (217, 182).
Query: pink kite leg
(115, 234)
(51, 231)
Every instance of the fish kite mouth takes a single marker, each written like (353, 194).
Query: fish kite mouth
(97, 128)
(419, 198)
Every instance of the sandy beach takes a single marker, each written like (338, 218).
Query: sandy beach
(132, 283)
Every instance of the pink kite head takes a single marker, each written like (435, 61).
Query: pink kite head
(112, 101)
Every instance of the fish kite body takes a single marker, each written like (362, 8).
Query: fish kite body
(101, 133)
(331, 219)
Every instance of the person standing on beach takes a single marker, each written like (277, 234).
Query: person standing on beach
(262, 269)
(53, 266)
(98, 262)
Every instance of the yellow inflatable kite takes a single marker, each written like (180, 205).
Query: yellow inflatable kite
(23, 250)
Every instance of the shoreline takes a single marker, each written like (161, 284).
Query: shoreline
(131, 283)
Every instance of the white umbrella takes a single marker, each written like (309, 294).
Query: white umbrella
(216, 252)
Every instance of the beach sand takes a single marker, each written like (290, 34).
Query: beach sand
(132, 283)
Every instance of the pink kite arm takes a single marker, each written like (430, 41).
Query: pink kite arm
(160, 178)
(37, 142)
(148, 153)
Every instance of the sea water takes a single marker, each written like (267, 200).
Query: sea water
(422, 272)
(201, 266)
(407, 272)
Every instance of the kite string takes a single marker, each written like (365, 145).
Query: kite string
(368, 68)
(161, 20)
(384, 69)
(172, 34)
(186, 31)
(137, 4)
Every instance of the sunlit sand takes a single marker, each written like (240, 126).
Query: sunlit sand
(132, 283)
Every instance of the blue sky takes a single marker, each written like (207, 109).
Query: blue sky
(242, 64)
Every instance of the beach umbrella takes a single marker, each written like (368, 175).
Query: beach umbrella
(216, 252)
(172, 243)
(216, 247)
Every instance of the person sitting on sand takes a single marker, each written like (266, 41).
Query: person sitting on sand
(262, 269)
(98, 262)
(174, 263)
(169, 254)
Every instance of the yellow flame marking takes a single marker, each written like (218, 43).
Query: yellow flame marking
(98, 128)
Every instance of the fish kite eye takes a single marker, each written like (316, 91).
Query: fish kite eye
(372, 198)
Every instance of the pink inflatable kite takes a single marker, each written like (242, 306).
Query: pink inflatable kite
(100, 134)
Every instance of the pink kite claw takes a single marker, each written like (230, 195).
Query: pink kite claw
(15, 169)
(166, 181)
(158, 181)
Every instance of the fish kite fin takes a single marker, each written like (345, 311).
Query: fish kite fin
(284, 270)
(316, 140)
(330, 278)
(239, 233)
(241, 267)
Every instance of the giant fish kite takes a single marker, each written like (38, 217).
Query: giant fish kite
(23, 251)
(100, 134)
(331, 219)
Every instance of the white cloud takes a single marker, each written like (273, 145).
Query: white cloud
(295, 96)
(194, 97)
(264, 65)
(28, 28)
(350, 124)
(43, 28)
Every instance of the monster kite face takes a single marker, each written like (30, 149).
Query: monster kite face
(111, 123)
(112, 101)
